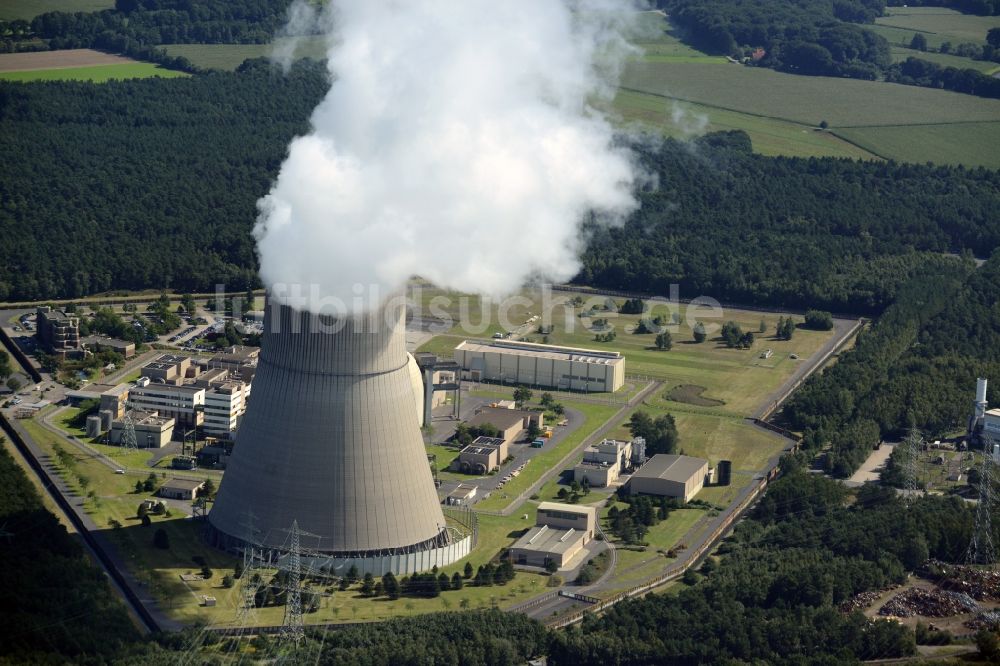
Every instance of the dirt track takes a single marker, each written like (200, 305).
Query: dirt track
(24, 62)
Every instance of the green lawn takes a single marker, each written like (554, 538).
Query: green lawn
(96, 74)
(655, 36)
(29, 9)
(971, 144)
(231, 56)
(769, 136)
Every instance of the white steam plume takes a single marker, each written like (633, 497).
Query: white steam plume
(457, 142)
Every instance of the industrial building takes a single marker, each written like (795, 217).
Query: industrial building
(180, 489)
(510, 422)
(240, 361)
(225, 403)
(547, 366)
(183, 403)
(559, 535)
(462, 495)
(152, 430)
(669, 475)
(169, 369)
(58, 332)
(484, 455)
(604, 462)
(331, 442)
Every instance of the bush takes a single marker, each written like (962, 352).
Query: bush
(554, 581)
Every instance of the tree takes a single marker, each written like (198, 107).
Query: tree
(444, 583)
(919, 42)
(763, 325)
(823, 124)
(989, 646)
(187, 302)
(993, 37)
(468, 570)
(457, 581)
(390, 585)
(732, 334)
(522, 394)
(551, 566)
(699, 332)
(819, 320)
(785, 328)
(5, 369)
(368, 585)
(142, 510)
(547, 400)
(160, 539)
(206, 572)
(533, 430)
(13, 383)
(660, 433)
(208, 489)
(664, 341)
(139, 487)
(352, 574)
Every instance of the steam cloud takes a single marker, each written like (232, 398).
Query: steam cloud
(457, 142)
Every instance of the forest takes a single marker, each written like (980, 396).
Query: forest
(773, 595)
(153, 184)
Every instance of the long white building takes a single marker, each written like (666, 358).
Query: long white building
(225, 403)
(182, 403)
(548, 366)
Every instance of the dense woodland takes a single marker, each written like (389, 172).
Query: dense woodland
(142, 183)
(822, 38)
(827, 233)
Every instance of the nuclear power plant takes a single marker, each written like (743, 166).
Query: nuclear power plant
(331, 441)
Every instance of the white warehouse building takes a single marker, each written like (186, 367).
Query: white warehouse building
(548, 366)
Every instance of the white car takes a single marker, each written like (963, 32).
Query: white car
(119, 471)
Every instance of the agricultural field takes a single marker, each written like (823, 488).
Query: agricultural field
(961, 143)
(807, 99)
(770, 136)
(900, 53)
(29, 9)
(77, 65)
(937, 24)
(231, 56)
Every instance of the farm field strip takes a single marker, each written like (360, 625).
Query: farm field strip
(900, 54)
(769, 136)
(806, 99)
(29, 9)
(945, 24)
(231, 56)
(971, 144)
(65, 59)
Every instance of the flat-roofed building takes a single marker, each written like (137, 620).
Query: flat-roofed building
(183, 403)
(559, 535)
(603, 463)
(180, 489)
(991, 423)
(596, 474)
(510, 422)
(241, 361)
(114, 400)
(531, 364)
(668, 475)
(500, 444)
(462, 495)
(152, 431)
(225, 403)
(169, 369)
(99, 343)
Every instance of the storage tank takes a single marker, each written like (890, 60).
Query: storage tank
(724, 473)
(94, 426)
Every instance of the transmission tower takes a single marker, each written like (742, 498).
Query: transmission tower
(291, 627)
(910, 464)
(129, 443)
(251, 578)
(982, 550)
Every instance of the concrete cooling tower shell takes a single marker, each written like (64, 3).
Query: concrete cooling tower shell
(330, 439)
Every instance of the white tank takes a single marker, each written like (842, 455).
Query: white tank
(981, 390)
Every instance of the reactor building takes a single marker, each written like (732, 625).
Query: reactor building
(331, 440)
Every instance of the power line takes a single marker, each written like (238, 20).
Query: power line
(982, 550)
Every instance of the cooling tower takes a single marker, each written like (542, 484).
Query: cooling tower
(331, 440)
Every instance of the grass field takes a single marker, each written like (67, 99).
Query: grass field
(97, 74)
(231, 56)
(29, 9)
(965, 143)
(808, 99)
(900, 54)
(936, 23)
(769, 136)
